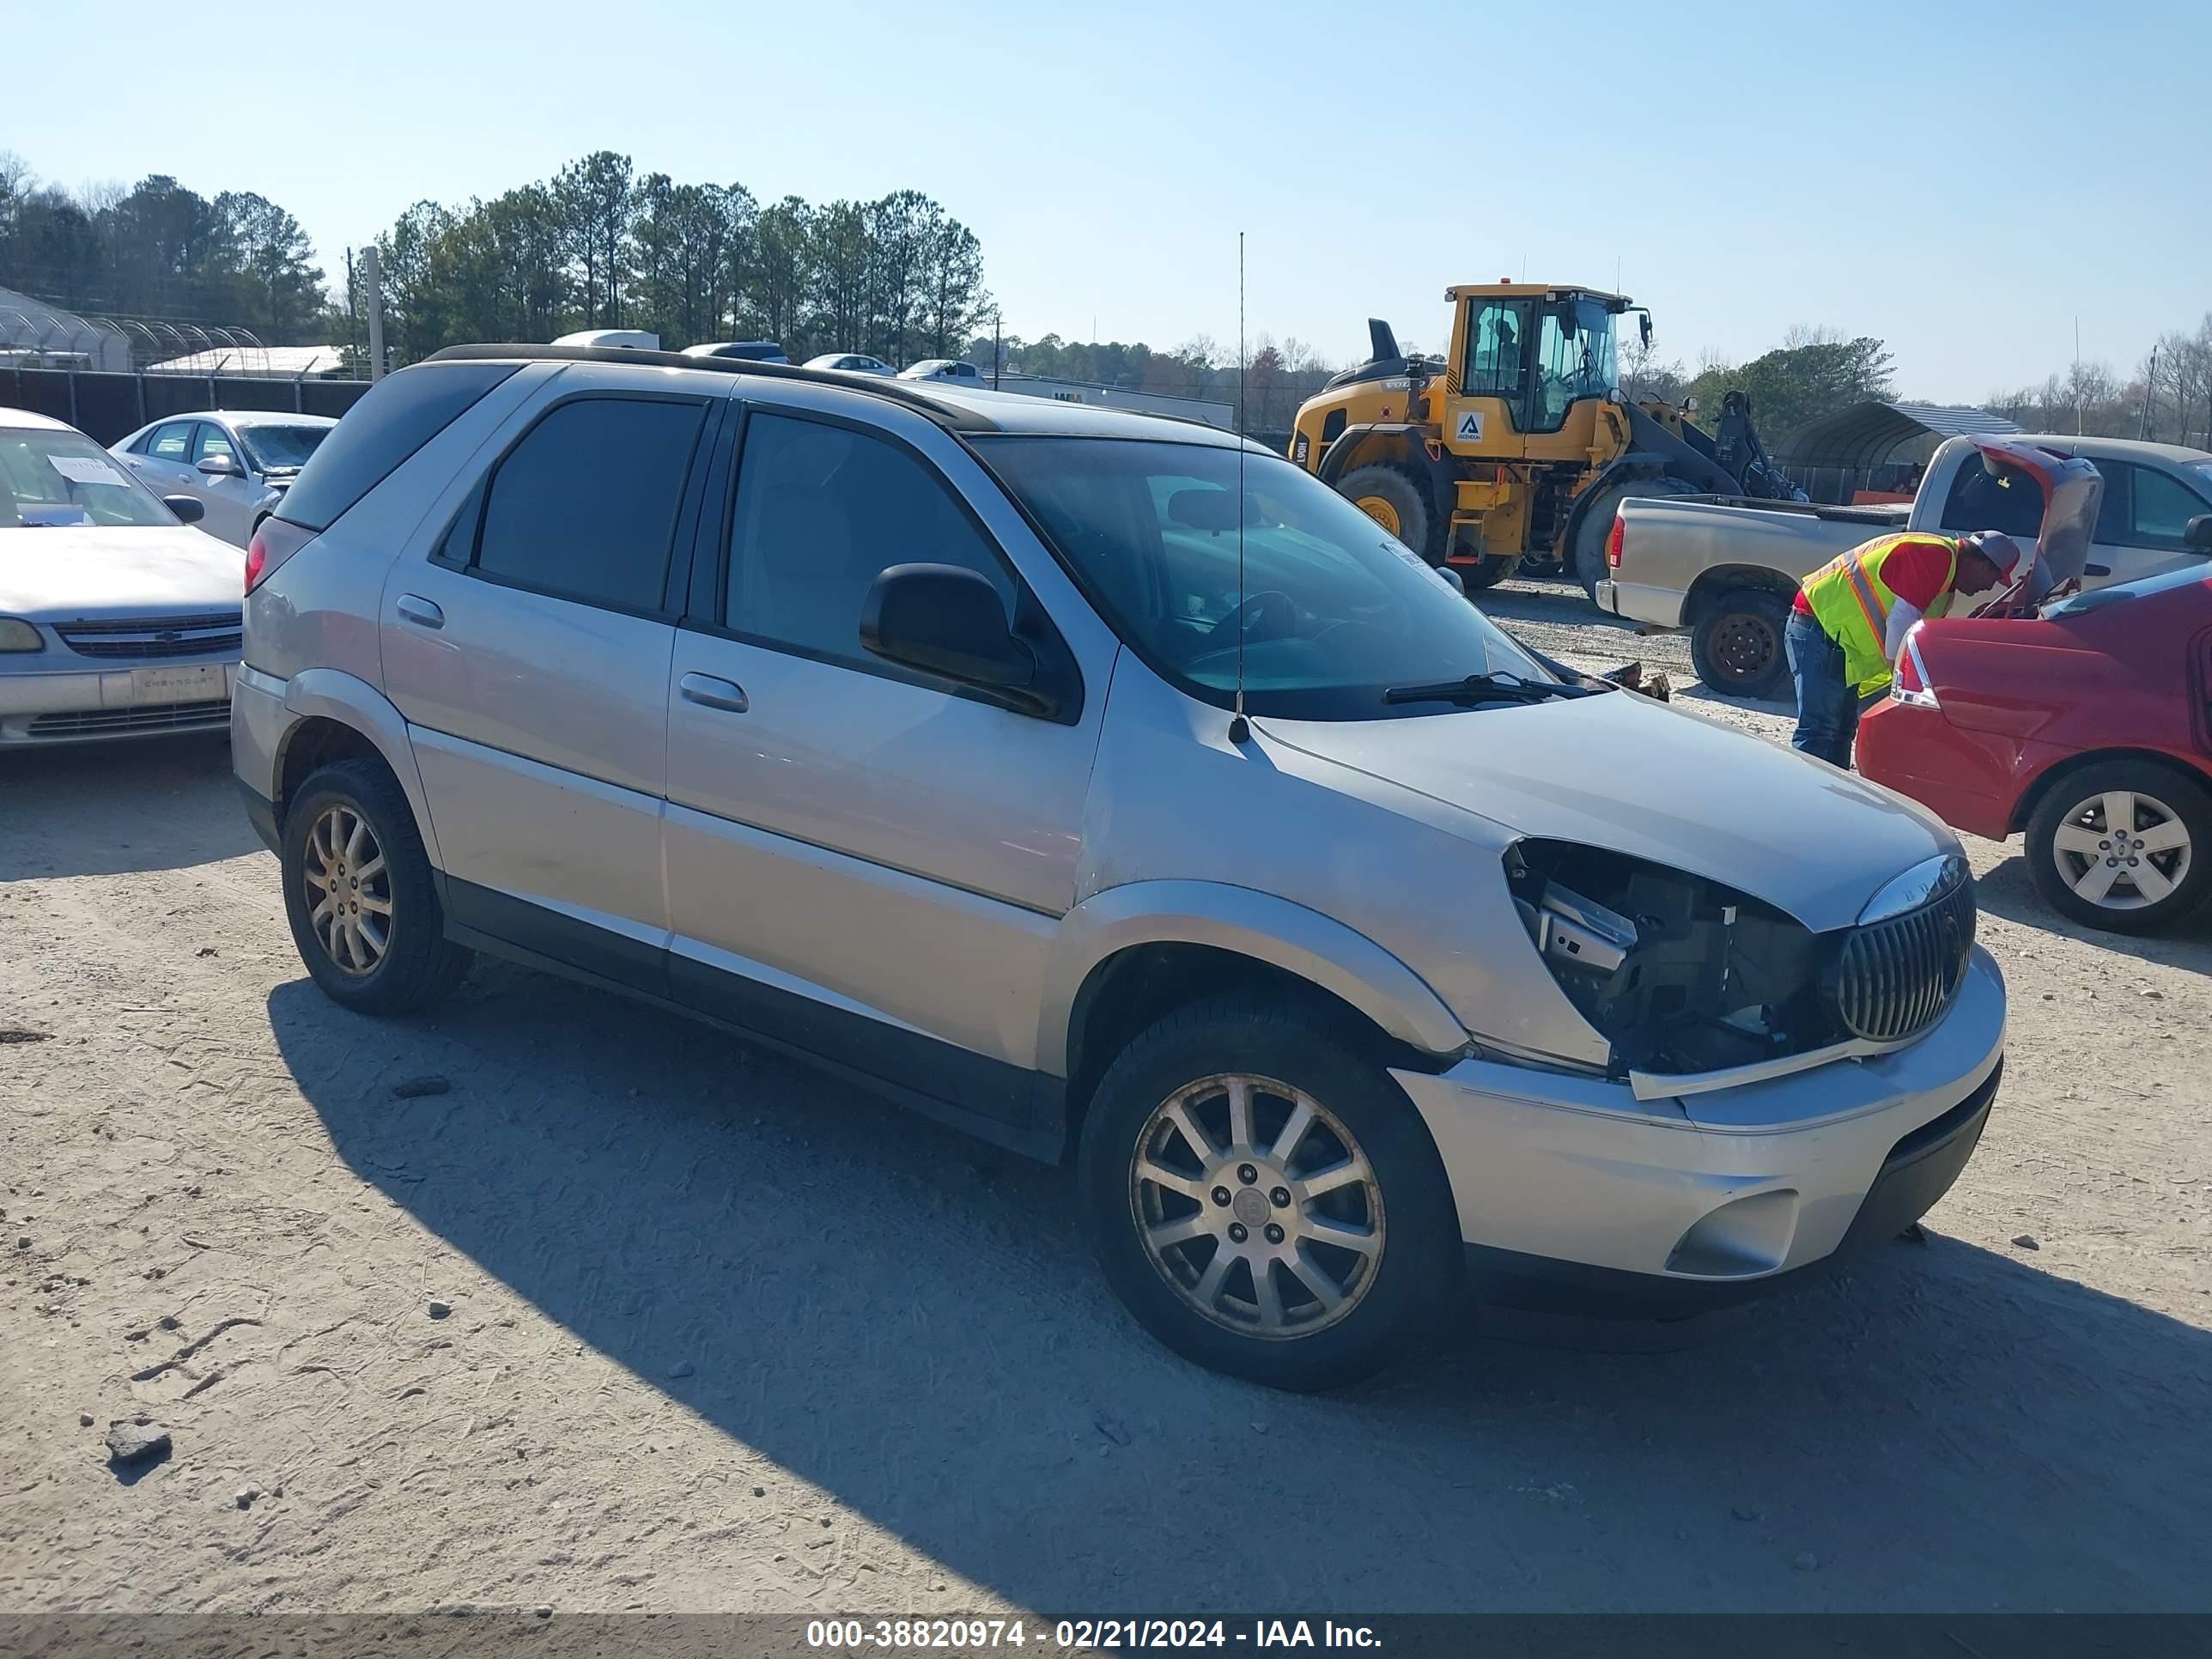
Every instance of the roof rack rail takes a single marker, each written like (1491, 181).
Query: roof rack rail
(951, 417)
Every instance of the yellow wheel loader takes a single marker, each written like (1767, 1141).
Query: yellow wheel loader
(1515, 447)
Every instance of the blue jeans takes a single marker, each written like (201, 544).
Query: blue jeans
(1828, 703)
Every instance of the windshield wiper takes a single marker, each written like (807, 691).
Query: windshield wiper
(1486, 688)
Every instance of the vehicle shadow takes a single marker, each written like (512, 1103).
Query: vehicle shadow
(105, 809)
(911, 1323)
(2010, 891)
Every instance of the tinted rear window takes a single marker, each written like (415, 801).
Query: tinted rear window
(398, 416)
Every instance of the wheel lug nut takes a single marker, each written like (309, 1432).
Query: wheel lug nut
(1237, 1233)
(1280, 1198)
(1247, 1174)
(1275, 1234)
(1221, 1195)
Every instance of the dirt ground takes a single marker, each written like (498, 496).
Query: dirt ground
(633, 1316)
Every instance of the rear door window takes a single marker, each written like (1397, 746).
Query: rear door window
(585, 506)
(171, 442)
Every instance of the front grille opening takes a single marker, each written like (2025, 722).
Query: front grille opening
(218, 634)
(1894, 978)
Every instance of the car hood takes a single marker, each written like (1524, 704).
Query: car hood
(1623, 772)
(90, 570)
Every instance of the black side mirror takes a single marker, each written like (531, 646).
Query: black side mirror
(948, 621)
(2197, 534)
(189, 509)
(1644, 321)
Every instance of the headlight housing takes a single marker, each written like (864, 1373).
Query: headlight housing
(16, 634)
(1678, 973)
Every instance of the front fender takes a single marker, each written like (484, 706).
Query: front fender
(334, 694)
(1299, 941)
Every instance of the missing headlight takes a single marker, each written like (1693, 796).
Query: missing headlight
(1678, 973)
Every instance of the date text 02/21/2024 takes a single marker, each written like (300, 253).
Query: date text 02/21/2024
(1080, 1635)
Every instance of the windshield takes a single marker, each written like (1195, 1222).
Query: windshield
(282, 449)
(1574, 360)
(1336, 611)
(49, 478)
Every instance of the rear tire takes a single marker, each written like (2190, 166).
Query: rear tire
(1396, 500)
(1588, 553)
(1224, 1251)
(1736, 646)
(359, 893)
(2169, 832)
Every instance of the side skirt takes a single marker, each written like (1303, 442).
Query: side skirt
(1031, 1108)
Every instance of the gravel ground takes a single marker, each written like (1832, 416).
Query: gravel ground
(628, 1316)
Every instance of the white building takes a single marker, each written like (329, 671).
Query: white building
(35, 334)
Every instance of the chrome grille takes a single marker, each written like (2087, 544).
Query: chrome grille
(1896, 976)
(154, 637)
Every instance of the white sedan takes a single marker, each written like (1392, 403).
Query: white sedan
(945, 369)
(851, 362)
(116, 620)
(235, 462)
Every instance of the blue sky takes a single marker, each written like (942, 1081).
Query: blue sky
(1962, 179)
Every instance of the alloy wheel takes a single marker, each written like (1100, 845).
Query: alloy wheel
(2122, 850)
(348, 890)
(1257, 1205)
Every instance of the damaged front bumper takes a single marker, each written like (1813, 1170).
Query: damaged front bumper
(1572, 1191)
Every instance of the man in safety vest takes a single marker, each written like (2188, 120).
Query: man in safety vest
(1854, 612)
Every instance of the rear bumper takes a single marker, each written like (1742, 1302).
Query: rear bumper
(1569, 1181)
(1971, 780)
(40, 710)
(1655, 607)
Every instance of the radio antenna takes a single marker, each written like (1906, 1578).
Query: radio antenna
(1240, 729)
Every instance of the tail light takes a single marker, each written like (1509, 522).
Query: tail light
(275, 540)
(1613, 538)
(1909, 684)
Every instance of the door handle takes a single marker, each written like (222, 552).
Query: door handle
(711, 693)
(2096, 570)
(420, 612)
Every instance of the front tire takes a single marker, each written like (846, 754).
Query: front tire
(1265, 1200)
(1736, 645)
(359, 893)
(2124, 845)
(1396, 499)
(1491, 569)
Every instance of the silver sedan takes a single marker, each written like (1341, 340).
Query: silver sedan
(235, 462)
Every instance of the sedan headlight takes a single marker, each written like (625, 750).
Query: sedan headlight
(16, 634)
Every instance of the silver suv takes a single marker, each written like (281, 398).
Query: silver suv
(1104, 786)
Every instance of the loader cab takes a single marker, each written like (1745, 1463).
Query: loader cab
(1532, 361)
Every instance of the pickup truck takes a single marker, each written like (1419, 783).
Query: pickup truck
(1727, 569)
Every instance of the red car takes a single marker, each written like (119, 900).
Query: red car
(2083, 721)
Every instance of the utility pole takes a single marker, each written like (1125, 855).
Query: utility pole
(996, 320)
(372, 270)
(2150, 383)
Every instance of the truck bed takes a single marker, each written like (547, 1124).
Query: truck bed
(1668, 543)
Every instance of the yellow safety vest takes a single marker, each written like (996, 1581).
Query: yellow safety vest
(1852, 604)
